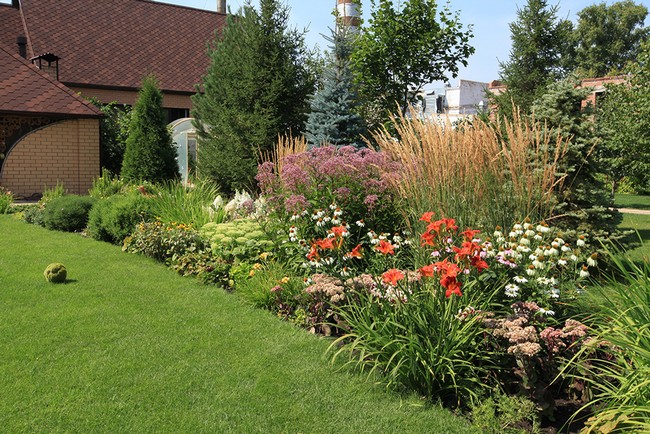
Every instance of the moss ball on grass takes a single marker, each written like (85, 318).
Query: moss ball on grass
(55, 273)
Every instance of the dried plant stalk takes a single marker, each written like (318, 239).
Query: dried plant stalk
(481, 174)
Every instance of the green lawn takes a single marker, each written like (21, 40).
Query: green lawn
(128, 346)
(636, 201)
(641, 224)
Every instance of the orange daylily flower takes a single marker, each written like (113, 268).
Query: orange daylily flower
(392, 276)
(385, 248)
(326, 243)
(355, 253)
(426, 217)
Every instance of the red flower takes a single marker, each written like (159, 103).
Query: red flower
(470, 233)
(392, 276)
(426, 217)
(339, 231)
(385, 248)
(435, 226)
(355, 253)
(479, 263)
(450, 224)
(313, 253)
(427, 239)
(325, 244)
(427, 271)
(452, 287)
(468, 249)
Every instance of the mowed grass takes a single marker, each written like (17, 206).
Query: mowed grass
(128, 346)
(639, 223)
(635, 201)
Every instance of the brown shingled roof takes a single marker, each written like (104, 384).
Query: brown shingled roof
(28, 90)
(11, 26)
(115, 43)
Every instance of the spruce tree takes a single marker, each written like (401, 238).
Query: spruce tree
(583, 199)
(333, 118)
(150, 154)
(255, 89)
(537, 57)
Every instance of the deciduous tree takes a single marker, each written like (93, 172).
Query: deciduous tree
(608, 37)
(406, 46)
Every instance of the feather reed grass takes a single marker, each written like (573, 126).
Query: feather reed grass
(482, 174)
(285, 146)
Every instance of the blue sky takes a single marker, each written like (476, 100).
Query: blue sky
(489, 18)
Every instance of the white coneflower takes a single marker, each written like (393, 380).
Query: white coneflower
(338, 212)
(543, 281)
(538, 237)
(344, 272)
(320, 223)
(531, 271)
(574, 258)
(565, 248)
(294, 217)
(555, 244)
(543, 228)
(584, 272)
(560, 241)
(529, 233)
(336, 221)
(512, 290)
(532, 257)
(546, 312)
(523, 249)
(591, 261)
(333, 206)
(525, 241)
(497, 233)
(512, 234)
(561, 261)
(360, 223)
(553, 252)
(517, 227)
(538, 264)
(581, 241)
(520, 279)
(528, 226)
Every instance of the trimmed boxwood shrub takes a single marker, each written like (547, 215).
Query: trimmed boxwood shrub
(116, 217)
(68, 213)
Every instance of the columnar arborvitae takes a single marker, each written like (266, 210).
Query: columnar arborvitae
(334, 117)
(150, 154)
(255, 89)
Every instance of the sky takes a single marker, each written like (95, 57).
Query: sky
(489, 20)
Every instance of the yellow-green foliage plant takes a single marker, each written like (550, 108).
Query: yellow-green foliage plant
(482, 174)
(618, 371)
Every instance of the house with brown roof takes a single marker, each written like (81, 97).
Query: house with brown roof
(48, 133)
(101, 49)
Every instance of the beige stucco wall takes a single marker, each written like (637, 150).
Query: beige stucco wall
(66, 151)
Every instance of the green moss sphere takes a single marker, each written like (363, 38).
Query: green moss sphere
(55, 273)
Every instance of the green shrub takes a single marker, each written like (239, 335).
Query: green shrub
(503, 414)
(163, 241)
(6, 199)
(52, 193)
(115, 218)
(33, 214)
(239, 239)
(203, 265)
(418, 338)
(107, 185)
(175, 202)
(55, 273)
(620, 381)
(68, 213)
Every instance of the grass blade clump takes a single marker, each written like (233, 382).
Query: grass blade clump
(484, 175)
(188, 204)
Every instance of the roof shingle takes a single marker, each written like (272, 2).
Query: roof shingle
(26, 89)
(115, 43)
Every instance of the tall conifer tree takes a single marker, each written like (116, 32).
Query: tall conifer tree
(256, 88)
(150, 154)
(334, 118)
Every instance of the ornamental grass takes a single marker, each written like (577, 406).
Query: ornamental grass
(482, 174)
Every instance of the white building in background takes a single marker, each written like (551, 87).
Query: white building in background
(466, 99)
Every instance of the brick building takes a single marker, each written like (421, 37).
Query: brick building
(99, 49)
(47, 132)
